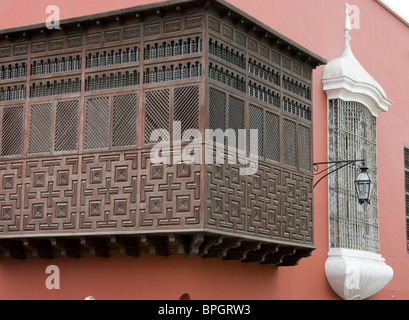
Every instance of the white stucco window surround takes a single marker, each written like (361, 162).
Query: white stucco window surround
(355, 268)
(345, 78)
(355, 274)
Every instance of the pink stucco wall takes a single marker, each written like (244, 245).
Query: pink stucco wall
(380, 45)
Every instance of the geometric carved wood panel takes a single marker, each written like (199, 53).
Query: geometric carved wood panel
(272, 204)
(93, 193)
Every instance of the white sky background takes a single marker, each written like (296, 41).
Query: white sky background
(400, 6)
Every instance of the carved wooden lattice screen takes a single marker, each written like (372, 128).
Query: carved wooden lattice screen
(66, 125)
(273, 137)
(97, 123)
(236, 122)
(290, 142)
(185, 110)
(40, 128)
(217, 109)
(256, 122)
(157, 107)
(125, 110)
(12, 131)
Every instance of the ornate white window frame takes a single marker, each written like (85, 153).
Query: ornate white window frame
(354, 271)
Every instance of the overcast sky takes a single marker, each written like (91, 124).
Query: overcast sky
(400, 6)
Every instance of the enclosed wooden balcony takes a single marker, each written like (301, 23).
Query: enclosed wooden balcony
(79, 108)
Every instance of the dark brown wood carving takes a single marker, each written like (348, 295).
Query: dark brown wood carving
(78, 107)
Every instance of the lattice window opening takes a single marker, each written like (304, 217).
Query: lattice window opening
(113, 57)
(63, 115)
(217, 113)
(157, 114)
(173, 48)
(124, 121)
(352, 131)
(53, 88)
(13, 71)
(224, 52)
(12, 131)
(186, 110)
(97, 123)
(296, 87)
(56, 65)
(268, 126)
(66, 126)
(40, 131)
(264, 94)
(290, 145)
(229, 79)
(190, 70)
(256, 122)
(304, 148)
(264, 72)
(236, 122)
(352, 227)
(297, 108)
(272, 137)
(105, 81)
(11, 93)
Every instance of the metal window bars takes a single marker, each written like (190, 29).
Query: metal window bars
(352, 135)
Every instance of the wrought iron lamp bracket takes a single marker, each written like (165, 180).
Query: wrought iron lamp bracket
(334, 166)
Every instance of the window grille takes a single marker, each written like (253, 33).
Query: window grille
(65, 135)
(173, 48)
(227, 77)
(299, 109)
(55, 87)
(12, 131)
(157, 106)
(12, 71)
(103, 81)
(186, 109)
(290, 143)
(296, 87)
(172, 72)
(236, 118)
(224, 52)
(40, 128)
(264, 72)
(17, 92)
(406, 158)
(66, 126)
(125, 110)
(256, 122)
(272, 139)
(97, 123)
(352, 135)
(264, 94)
(304, 147)
(112, 57)
(217, 110)
(57, 65)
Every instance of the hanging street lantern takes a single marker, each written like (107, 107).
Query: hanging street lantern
(363, 183)
(364, 186)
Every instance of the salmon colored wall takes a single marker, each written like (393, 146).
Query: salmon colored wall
(381, 47)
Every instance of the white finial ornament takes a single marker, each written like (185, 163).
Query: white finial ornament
(347, 24)
(345, 78)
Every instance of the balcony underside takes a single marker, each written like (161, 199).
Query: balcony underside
(205, 245)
